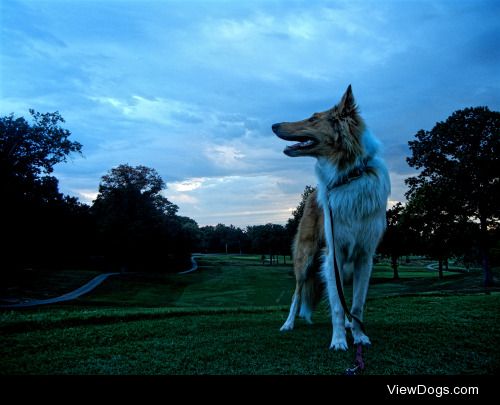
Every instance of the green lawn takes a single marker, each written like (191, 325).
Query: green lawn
(225, 319)
(42, 283)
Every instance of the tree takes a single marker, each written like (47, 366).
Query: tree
(395, 244)
(223, 238)
(293, 222)
(32, 205)
(269, 239)
(138, 226)
(32, 150)
(461, 158)
(435, 221)
(28, 154)
(189, 234)
(138, 182)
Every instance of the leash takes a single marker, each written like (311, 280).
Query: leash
(359, 364)
(338, 282)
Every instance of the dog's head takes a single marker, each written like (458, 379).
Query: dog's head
(334, 134)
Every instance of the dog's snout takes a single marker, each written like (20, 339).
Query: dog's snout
(275, 127)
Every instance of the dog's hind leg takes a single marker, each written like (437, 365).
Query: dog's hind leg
(294, 308)
(361, 281)
(307, 300)
(312, 291)
(304, 295)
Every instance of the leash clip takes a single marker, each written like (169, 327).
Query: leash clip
(359, 364)
(352, 371)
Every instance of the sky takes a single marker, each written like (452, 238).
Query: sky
(191, 88)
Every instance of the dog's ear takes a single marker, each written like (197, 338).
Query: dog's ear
(347, 104)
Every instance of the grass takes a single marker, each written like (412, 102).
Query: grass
(221, 281)
(225, 319)
(42, 283)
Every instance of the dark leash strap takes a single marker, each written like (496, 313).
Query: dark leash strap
(353, 175)
(338, 282)
(359, 364)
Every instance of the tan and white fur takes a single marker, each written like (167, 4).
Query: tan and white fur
(339, 140)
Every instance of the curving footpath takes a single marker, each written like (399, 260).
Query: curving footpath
(194, 267)
(84, 289)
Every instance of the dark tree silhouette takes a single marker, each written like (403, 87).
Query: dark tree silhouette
(395, 242)
(436, 222)
(137, 183)
(138, 226)
(30, 150)
(293, 222)
(460, 158)
(269, 239)
(223, 239)
(31, 208)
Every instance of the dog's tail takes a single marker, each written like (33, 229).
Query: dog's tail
(312, 291)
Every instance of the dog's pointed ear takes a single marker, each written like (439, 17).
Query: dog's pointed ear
(347, 104)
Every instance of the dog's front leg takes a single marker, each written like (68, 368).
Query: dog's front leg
(339, 341)
(361, 281)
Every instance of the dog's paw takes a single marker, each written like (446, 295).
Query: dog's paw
(286, 327)
(362, 339)
(338, 343)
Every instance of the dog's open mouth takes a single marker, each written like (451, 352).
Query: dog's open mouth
(304, 143)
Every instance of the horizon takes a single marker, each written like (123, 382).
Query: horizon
(191, 89)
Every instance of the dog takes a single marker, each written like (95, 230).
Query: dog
(352, 193)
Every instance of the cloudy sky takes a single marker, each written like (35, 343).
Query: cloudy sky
(191, 88)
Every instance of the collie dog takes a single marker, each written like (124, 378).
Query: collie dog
(353, 188)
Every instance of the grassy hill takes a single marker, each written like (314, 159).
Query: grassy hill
(225, 319)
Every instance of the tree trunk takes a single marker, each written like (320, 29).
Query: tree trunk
(394, 264)
(440, 268)
(484, 246)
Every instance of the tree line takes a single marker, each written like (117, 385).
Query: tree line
(452, 205)
(130, 226)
